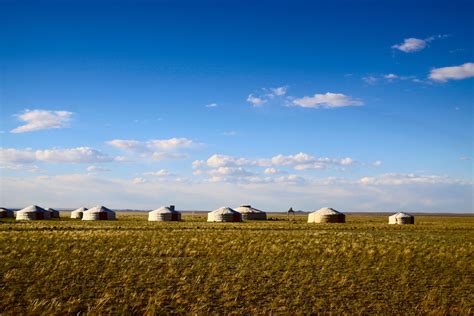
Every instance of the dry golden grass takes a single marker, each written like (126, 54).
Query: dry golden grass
(132, 266)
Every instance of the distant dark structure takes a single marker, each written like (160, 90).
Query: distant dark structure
(291, 212)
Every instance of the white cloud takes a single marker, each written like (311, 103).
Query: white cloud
(279, 91)
(95, 169)
(126, 144)
(217, 160)
(159, 173)
(409, 178)
(158, 156)
(465, 158)
(212, 105)
(156, 149)
(171, 144)
(230, 171)
(460, 72)
(153, 144)
(13, 155)
(268, 94)
(255, 101)
(411, 45)
(273, 171)
(299, 161)
(42, 119)
(230, 133)
(72, 155)
(370, 80)
(55, 155)
(139, 180)
(391, 76)
(377, 163)
(327, 100)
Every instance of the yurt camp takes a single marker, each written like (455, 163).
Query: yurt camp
(326, 215)
(250, 213)
(98, 213)
(401, 218)
(77, 214)
(6, 213)
(53, 213)
(32, 212)
(224, 214)
(164, 214)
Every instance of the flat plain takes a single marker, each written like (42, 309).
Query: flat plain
(130, 265)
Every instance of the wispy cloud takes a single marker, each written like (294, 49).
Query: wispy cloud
(299, 161)
(153, 144)
(96, 169)
(255, 101)
(371, 80)
(279, 91)
(55, 155)
(410, 178)
(156, 149)
(159, 173)
(460, 72)
(258, 99)
(212, 105)
(412, 45)
(230, 133)
(327, 100)
(36, 120)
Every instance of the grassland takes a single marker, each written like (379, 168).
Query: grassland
(132, 266)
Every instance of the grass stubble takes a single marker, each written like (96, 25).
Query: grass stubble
(131, 266)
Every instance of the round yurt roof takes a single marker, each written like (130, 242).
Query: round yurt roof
(163, 210)
(33, 208)
(247, 209)
(99, 208)
(401, 214)
(224, 210)
(81, 209)
(327, 211)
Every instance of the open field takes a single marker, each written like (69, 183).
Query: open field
(133, 266)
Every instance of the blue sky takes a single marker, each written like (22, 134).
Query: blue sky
(358, 105)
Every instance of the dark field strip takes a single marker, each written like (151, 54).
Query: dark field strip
(132, 266)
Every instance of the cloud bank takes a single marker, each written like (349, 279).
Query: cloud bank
(36, 120)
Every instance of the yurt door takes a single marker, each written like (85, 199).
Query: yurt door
(103, 216)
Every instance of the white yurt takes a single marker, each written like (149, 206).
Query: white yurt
(32, 212)
(224, 214)
(401, 218)
(77, 214)
(6, 213)
(53, 213)
(98, 213)
(164, 214)
(250, 213)
(326, 215)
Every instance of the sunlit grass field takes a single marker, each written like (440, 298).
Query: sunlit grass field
(364, 266)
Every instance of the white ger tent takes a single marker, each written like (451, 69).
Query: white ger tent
(32, 212)
(224, 214)
(164, 214)
(98, 213)
(250, 213)
(326, 215)
(77, 214)
(401, 218)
